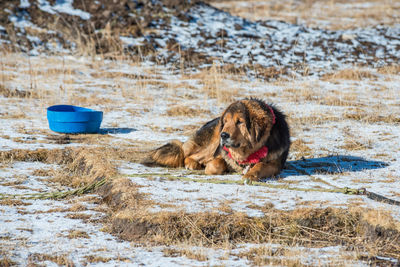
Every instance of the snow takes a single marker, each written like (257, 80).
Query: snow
(233, 40)
(24, 126)
(130, 41)
(24, 4)
(266, 41)
(63, 6)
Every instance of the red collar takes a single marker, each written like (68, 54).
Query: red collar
(253, 158)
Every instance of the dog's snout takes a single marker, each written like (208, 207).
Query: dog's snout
(225, 135)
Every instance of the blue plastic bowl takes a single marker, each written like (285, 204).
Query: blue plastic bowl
(73, 119)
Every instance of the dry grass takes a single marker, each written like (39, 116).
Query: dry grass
(8, 92)
(355, 74)
(185, 111)
(36, 258)
(97, 259)
(42, 155)
(79, 216)
(14, 202)
(305, 123)
(344, 99)
(79, 166)
(371, 116)
(86, 165)
(306, 93)
(351, 144)
(73, 234)
(302, 227)
(214, 84)
(302, 93)
(5, 261)
(330, 14)
(391, 70)
(262, 256)
(373, 231)
(187, 252)
(301, 149)
(130, 220)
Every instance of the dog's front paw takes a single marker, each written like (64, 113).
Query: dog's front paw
(191, 164)
(250, 177)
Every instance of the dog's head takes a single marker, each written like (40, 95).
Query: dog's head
(245, 126)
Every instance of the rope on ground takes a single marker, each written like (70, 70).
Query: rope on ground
(344, 190)
(96, 184)
(349, 191)
(379, 198)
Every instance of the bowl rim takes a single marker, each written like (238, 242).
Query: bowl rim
(74, 109)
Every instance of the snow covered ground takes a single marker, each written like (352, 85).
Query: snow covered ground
(338, 140)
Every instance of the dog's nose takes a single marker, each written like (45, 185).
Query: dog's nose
(225, 135)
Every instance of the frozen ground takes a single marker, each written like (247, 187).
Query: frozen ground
(202, 35)
(338, 140)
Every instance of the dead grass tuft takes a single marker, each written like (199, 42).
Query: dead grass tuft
(314, 13)
(300, 148)
(73, 234)
(7, 262)
(97, 259)
(349, 74)
(178, 110)
(80, 166)
(392, 69)
(352, 145)
(122, 193)
(261, 256)
(214, 85)
(86, 165)
(78, 216)
(36, 258)
(7, 92)
(13, 202)
(371, 117)
(188, 252)
(59, 156)
(380, 218)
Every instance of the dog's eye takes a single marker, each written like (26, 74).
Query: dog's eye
(239, 122)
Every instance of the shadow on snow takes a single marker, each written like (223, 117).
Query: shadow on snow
(116, 130)
(330, 165)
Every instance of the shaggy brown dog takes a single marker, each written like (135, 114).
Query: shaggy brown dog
(250, 137)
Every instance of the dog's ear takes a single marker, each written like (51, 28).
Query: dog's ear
(259, 131)
(221, 122)
(218, 130)
(246, 129)
(258, 127)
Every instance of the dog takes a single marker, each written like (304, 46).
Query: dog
(250, 137)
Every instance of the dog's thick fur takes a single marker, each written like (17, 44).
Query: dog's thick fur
(223, 144)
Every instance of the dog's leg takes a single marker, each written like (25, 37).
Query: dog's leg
(216, 166)
(192, 164)
(263, 170)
